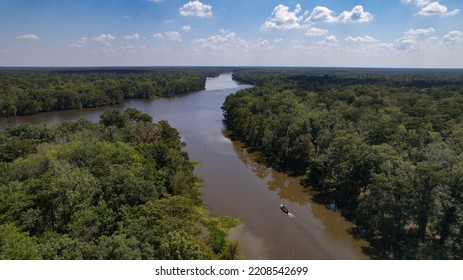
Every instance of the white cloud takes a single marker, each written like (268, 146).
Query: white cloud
(283, 19)
(159, 36)
(196, 8)
(173, 36)
(436, 9)
(406, 43)
(104, 39)
(156, 1)
(264, 43)
(128, 48)
(186, 28)
(419, 32)
(316, 32)
(80, 43)
(415, 39)
(429, 8)
(357, 14)
(169, 35)
(134, 36)
(329, 40)
(453, 38)
(31, 37)
(229, 48)
(323, 14)
(218, 38)
(364, 39)
(419, 3)
(225, 42)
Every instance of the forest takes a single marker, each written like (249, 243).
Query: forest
(384, 146)
(118, 189)
(28, 91)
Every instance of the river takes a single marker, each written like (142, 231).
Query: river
(235, 184)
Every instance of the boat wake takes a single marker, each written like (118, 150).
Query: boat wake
(307, 233)
(286, 211)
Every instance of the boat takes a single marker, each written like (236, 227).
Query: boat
(284, 209)
(332, 207)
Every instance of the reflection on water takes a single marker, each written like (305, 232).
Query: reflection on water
(286, 187)
(236, 184)
(315, 231)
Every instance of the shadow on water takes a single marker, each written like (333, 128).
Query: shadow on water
(319, 226)
(286, 187)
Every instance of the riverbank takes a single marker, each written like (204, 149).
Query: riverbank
(236, 185)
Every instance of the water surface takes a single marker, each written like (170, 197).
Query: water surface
(235, 184)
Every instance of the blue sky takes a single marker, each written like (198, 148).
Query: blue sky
(348, 33)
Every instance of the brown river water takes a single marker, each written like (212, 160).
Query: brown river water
(235, 184)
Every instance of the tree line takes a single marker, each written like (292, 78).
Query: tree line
(385, 147)
(119, 189)
(27, 91)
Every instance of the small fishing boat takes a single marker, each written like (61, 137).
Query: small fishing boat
(284, 209)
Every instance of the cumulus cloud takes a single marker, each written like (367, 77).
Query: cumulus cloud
(414, 39)
(104, 39)
(31, 37)
(169, 35)
(133, 37)
(283, 19)
(216, 41)
(173, 36)
(196, 8)
(437, 9)
(357, 14)
(453, 38)
(227, 41)
(323, 14)
(329, 41)
(407, 43)
(364, 39)
(316, 32)
(186, 28)
(264, 43)
(429, 8)
(419, 32)
(80, 43)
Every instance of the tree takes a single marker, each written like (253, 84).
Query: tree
(113, 117)
(178, 245)
(16, 245)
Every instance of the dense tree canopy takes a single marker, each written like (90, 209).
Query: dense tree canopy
(120, 189)
(27, 91)
(385, 147)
